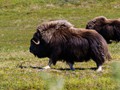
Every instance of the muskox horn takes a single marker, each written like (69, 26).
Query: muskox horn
(37, 43)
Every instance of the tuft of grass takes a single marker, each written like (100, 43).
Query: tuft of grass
(51, 82)
(116, 73)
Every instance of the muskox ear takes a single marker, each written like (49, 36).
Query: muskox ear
(40, 29)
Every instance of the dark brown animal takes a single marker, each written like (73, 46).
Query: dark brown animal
(59, 40)
(108, 28)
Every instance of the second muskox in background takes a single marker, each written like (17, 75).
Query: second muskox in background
(59, 40)
(108, 28)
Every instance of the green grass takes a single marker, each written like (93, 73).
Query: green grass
(19, 69)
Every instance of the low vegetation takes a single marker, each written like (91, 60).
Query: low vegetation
(20, 70)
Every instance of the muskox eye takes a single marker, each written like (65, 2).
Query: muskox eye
(94, 21)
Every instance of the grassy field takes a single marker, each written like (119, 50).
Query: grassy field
(20, 70)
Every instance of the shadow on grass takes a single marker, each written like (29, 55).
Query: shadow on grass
(64, 69)
(61, 69)
(22, 67)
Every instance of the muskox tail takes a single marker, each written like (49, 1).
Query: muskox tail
(99, 49)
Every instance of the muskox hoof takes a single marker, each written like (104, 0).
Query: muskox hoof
(99, 69)
(46, 67)
(109, 42)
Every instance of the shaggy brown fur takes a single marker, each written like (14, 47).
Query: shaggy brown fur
(108, 28)
(59, 40)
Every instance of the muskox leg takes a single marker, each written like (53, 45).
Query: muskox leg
(49, 64)
(99, 69)
(99, 66)
(71, 66)
(99, 60)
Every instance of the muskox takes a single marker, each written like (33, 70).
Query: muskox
(108, 28)
(60, 40)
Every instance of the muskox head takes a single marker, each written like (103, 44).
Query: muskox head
(38, 46)
(96, 23)
(108, 28)
(40, 43)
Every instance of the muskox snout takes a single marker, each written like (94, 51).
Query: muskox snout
(89, 27)
(31, 49)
